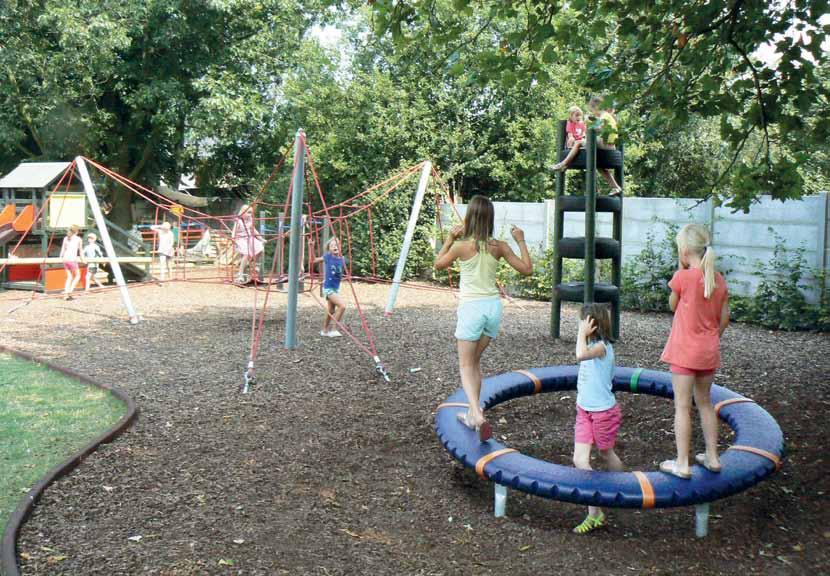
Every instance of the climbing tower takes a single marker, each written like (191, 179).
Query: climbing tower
(587, 247)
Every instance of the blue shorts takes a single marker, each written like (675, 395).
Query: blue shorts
(329, 291)
(477, 318)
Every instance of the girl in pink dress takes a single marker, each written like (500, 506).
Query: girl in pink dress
(71, 254)
(575, 130)
(247, 240)
(700, 302)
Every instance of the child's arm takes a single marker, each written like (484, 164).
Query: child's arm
(724, 317)
(448, 252)
(523, 264)
(586, 328)
(674, 298)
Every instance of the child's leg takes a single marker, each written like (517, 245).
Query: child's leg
(708, 418)
(682, 385)
(68, 281)
(482, 346)
(468, 360)
(611, 460)
(582, 461)
(162, 267)
(340, 304)
(87, 279)
(329, 313)
(242, 265)
(76, 277)
(609, 177)
(569, 158)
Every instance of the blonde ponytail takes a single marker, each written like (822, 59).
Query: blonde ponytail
(695, 238)
(708, 264)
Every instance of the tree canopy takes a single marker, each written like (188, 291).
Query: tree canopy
(159, 88)
(663, 62)
(149, 87)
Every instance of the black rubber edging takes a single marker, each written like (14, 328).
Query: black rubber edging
(8, 548)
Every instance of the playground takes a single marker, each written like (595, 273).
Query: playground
(324, 468)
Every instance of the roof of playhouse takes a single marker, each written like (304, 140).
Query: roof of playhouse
(34, 175)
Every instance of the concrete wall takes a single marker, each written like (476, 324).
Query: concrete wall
(741, 240)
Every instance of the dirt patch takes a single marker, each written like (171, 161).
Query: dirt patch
(326, 469)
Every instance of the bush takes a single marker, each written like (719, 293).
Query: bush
(779, 301)
(645, 277)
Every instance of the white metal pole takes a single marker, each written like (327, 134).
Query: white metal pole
(407, 240)
(105, 238)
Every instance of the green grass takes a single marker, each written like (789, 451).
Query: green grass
(45, 417)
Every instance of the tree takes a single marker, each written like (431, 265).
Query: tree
(147, 87)
(665, 61)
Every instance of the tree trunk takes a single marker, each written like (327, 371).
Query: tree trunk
(122, 213)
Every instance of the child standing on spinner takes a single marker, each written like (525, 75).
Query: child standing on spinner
(165, 248)
(575, 130)
(480, 307)
(700, 302)
(70, 254)
(598, 416)
(333, 264)
(92, 250)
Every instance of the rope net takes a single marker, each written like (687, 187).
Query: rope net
(251, 248)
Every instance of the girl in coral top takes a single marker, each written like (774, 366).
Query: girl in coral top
(700, 302)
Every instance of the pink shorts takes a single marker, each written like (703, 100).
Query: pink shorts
(70, 266)
(675, 369)
(598, 428)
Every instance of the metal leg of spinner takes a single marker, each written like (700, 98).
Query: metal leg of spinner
(381, 370)
(702, 520)
(248, 378)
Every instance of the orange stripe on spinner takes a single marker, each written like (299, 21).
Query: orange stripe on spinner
(484, 460)
(723, 403)
(646, 488)
(768, 455)
(537, 384)
(451, 404)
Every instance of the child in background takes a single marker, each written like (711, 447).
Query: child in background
(92, 250)
(700, 302)
(247, 240)
(480, 307)
(165, 248)
(333, 265)
(70, 254)
(598, 415)
(608, 124)
(575, 130)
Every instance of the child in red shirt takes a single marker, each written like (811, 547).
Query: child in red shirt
(700, 303)
(575, 130)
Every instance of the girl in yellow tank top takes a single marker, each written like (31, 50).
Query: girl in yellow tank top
(479, 309)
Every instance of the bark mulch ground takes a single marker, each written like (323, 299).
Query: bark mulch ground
(325, 469)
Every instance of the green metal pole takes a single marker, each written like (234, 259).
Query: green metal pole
(558, 223)
(590, 213)
(294, 262)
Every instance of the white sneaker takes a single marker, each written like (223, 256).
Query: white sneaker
(334, 334)
(323, 333)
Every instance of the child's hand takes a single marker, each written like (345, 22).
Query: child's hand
(587, 326)
(517, 233)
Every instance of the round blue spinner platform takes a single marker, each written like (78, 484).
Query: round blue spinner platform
(756, 453)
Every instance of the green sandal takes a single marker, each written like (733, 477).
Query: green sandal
(590, 524)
